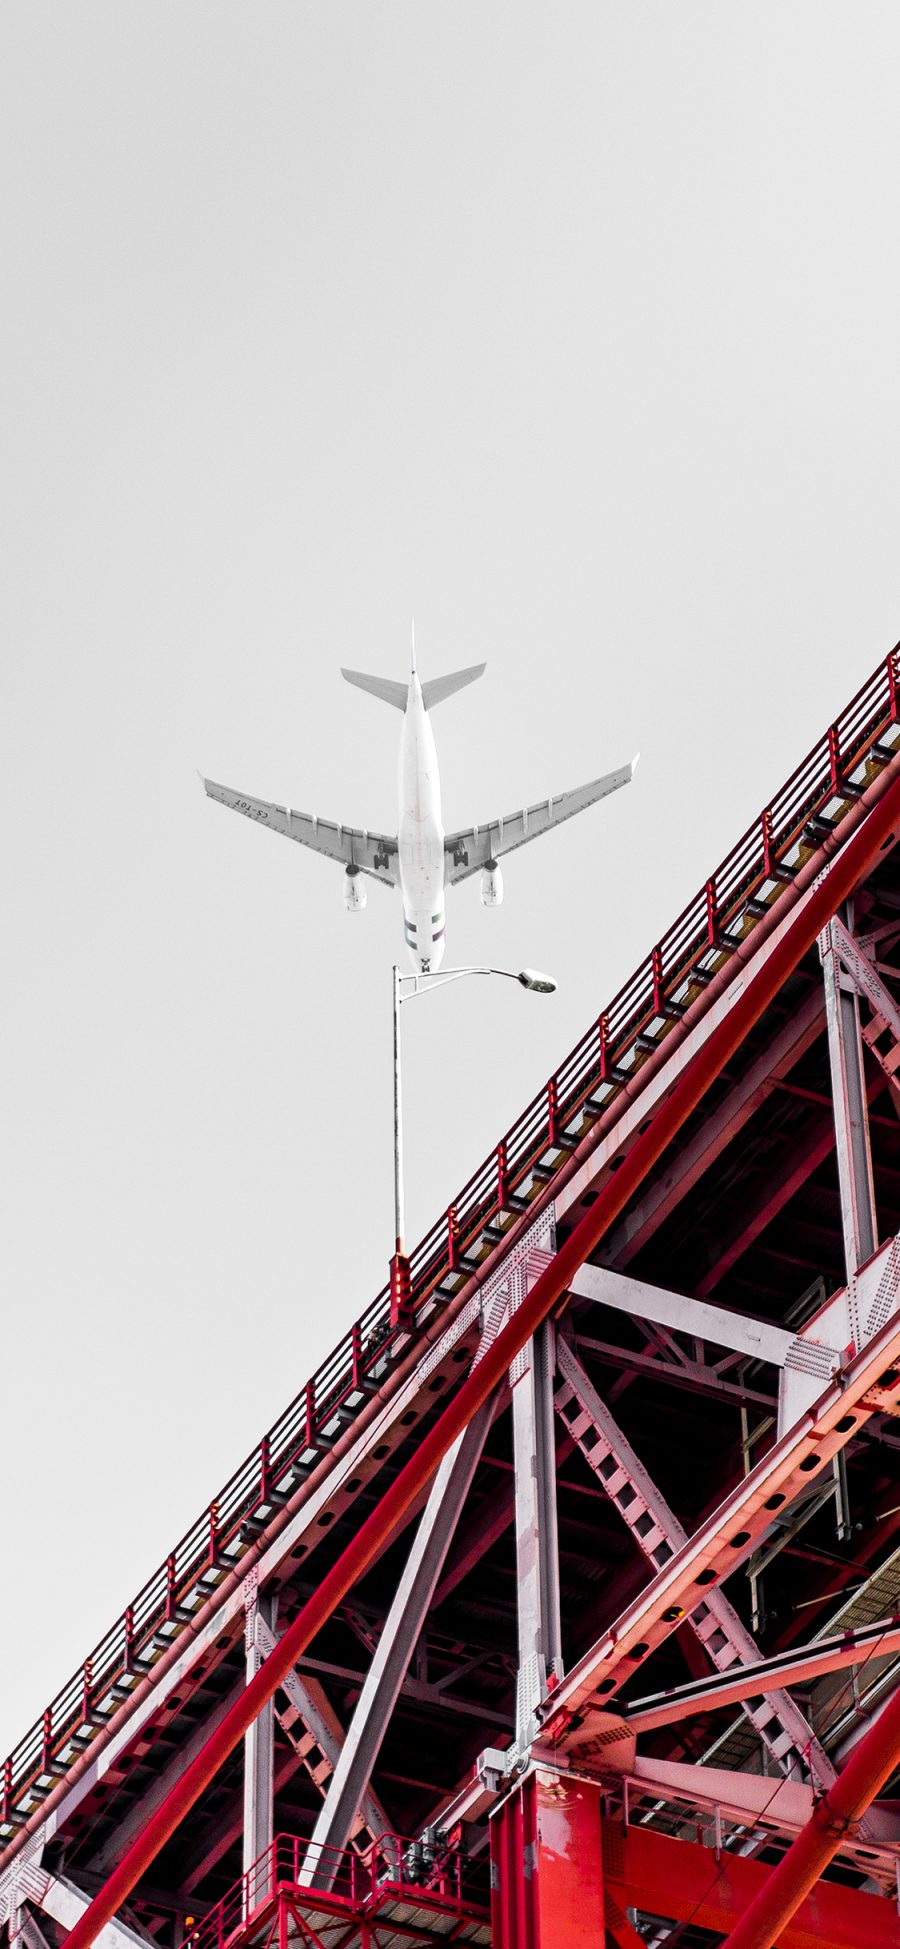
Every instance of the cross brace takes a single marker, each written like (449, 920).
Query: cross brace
(797, 1666)
(312, 1728)
(780, 1724)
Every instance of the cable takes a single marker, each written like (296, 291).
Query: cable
(855, 1672)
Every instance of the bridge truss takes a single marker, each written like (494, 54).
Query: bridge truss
(562, 1604)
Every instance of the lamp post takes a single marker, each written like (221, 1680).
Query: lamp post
(415, 984)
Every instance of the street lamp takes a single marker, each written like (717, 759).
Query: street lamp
(414, 984)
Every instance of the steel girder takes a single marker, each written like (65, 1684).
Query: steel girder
(760, 985)
(562, 1873)
(848, 1090)
(397, 1643)
(658, 1534)
(259, 1739)
(865, 1386)
(407, 1614)
(840, 1809)
(537, 1552)
(793, 1667)
(312, 1728)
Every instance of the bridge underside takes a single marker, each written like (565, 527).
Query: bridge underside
(602, 1668)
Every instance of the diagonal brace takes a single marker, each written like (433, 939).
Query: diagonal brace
(780, 1724)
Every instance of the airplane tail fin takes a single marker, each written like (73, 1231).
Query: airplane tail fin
(438, 688)
(383, 687)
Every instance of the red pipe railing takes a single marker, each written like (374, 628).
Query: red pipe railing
(391, 1867)
(747, 884)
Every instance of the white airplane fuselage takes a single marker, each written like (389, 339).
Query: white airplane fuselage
(420, 837)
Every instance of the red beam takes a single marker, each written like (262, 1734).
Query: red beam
(871, 1764)
(878, 831)
(683, 1881)
(547, 1866)
(716, 1689)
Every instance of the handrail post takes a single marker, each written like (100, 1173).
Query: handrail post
(452, 1235)
(501, 1176)
(834, 755)
(767, 843)
(711, 913)
(603, 1026)
(129, 1639)
(656, 965)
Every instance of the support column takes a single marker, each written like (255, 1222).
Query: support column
(547, 1865)
(851, 1122)
(537, 1549)
(390, 1662)
(259, 1746)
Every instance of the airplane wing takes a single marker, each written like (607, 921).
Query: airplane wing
(373, 852)
(467, 851)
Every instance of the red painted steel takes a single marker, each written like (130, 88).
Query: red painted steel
(547, 1866)
(741, 1681)
(879, 830)
(560, 1871)
(741, 894)
(870, 1765)
(361, 1886)
(685, 1882)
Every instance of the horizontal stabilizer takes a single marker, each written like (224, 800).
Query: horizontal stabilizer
(383, 687)
(438, 688)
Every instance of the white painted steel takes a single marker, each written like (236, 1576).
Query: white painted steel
(259, 1748)
(851, 1121)
(322, 1729)
(779, 1723)
(731, 1532)
(756, 1338)
(537, 1549)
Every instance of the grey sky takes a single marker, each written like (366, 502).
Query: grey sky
(573, 328)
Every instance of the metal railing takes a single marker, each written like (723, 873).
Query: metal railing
(517, 1173)
(392, 1868)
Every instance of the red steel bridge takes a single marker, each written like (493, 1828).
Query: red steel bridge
(562, 1604)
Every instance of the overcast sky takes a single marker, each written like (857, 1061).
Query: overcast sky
(572, 328)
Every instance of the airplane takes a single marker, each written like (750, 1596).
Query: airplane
(421, 858)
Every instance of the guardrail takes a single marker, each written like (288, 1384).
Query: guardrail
(391, 1869)
(727, 908)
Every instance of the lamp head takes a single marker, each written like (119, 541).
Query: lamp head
(540, 984)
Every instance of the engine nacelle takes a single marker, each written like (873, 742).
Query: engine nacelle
(491, 884)
(354, 890)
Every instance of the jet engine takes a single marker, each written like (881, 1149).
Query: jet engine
(354, 890)
(491, 884)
